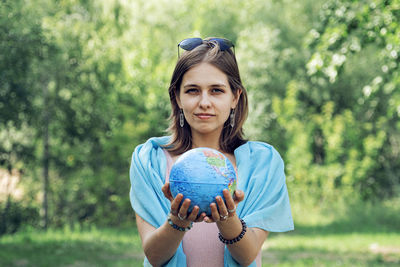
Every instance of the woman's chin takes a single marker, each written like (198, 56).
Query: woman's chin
(206, 130)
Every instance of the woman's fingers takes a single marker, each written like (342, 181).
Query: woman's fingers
(166, 191)
(219, 211)
(230, 203)
(193, 215)
(180, 209)
(238, 196)
(183, 211)
(201, 217)
(222, 210)
(214, 214)
(175, 203)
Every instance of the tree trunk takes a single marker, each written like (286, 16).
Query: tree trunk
(45, 156)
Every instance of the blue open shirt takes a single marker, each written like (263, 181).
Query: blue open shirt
(260, 175)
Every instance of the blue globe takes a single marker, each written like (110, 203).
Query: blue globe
(201, 174)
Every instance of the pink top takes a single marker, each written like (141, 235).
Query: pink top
(201, 243)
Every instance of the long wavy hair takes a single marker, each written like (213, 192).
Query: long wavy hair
(208, 52)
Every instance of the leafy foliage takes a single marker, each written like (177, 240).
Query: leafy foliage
(322, 79)
(356, 44)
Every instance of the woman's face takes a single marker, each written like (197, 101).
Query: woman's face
(206, 99)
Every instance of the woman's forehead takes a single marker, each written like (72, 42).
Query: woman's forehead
(205, 74)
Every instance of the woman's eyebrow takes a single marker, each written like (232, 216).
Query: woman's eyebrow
(211, 85)
(218, 85)
(190, 85)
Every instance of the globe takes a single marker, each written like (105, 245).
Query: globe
(201, 174)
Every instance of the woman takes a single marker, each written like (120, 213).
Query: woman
(209, 107)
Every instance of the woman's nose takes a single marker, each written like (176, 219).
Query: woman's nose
(205, 101)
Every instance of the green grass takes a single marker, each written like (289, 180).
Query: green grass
(344, 235)
(63, 247)
(302, 248)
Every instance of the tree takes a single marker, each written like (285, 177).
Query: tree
(349, 35)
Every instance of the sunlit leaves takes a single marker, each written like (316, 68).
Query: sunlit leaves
(366, 29)
(322, 77)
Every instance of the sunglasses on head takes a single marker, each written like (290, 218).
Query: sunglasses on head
(191, 43)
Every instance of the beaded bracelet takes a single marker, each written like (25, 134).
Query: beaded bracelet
(236, 239)
(176, 227)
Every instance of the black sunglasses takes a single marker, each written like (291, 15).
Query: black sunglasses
(191, 43)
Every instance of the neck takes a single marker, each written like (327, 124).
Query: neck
(211, 141)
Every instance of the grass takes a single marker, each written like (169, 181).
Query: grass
(343, 233)
(357, 235)
(342, 249)
(65, 247)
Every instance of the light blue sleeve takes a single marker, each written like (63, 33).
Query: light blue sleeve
(266, 204)
(146, 179)
(262, 178)
(147, 176)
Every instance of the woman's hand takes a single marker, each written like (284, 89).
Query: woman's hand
(180, 215)
(221, 211)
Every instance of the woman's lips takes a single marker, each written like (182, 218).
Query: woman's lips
(204, 116)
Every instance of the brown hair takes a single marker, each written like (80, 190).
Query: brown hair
(209, 52)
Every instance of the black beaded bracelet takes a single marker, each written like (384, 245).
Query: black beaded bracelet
(176, 227)
(236, 239)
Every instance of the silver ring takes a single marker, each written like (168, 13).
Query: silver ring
(223, 217)
(181, 218)
(232, 210)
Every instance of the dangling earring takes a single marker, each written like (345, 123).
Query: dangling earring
(232, 117)
(181, 118)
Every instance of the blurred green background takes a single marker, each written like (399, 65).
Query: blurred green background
(82, 83)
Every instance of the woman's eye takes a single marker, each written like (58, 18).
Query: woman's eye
(217, 90)
(191, 91)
